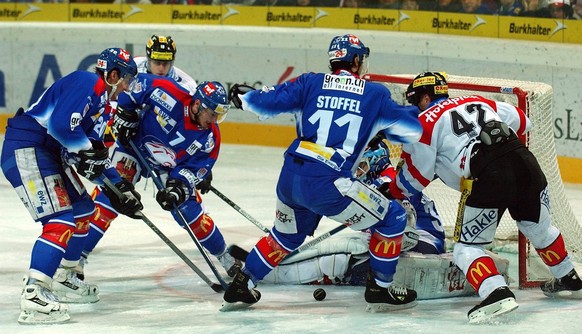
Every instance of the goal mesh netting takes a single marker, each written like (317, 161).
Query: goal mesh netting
(535, 99)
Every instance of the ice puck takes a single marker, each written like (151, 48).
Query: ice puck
(319, 294)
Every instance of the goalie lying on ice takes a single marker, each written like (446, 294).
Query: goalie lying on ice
(345, 260)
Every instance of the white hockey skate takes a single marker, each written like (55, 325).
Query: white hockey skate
(70, 289)
(39, 305)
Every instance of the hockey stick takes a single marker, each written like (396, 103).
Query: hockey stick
(160, 186)
(216, 287)
(240, 254)
(239, 209)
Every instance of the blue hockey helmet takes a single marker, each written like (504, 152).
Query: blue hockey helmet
(346, 47)
(213, 96)
(117, 59)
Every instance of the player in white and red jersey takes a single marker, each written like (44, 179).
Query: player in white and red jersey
(472, 144)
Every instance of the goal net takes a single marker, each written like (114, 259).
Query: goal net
(535, 99)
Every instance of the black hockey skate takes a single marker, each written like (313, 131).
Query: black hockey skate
(393, 298)
(569, 286)
(238, 295)
(499, 302)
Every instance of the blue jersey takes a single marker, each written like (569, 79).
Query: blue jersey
(71, 110)
(336, 116)
(167, 137)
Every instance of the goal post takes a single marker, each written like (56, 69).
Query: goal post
(535, 98)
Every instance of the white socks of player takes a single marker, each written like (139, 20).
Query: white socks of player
(70, 289)
(229, 263)
(38, 305)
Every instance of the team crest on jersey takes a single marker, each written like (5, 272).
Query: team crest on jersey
(201, 172)
(137, 87)
(166, 122)
(209, 145)
(161, 154)
(163, 99)
(346, 83)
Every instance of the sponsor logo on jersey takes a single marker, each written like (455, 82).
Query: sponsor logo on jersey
(75, 120)
(344, 83)
(550, 257)
(194, 147)
(189, 176)
(282, 217)
(163, 99)
(166, 122)
(201, 172)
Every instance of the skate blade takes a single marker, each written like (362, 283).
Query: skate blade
(384, 307)
(35, 317)
(566, 294)
(237, 306)
(71, 298)
(494, 310)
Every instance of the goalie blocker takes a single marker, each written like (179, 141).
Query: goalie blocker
(344, 260)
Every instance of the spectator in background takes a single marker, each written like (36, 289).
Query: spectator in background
(560, 9)
(410, 5)
(510, 8)
(534, 8)
(384, 4)
(452, 6)
(474, 7)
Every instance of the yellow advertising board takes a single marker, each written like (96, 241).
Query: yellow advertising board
(99, 13)
(244, 15)
(138, 13)
(377, 19)
(332, 17)
(201, 14)
(293, 17)
(417, 21)
(573, 31)
(43, 12)
(475, 25)
(529, 28)
(9, 12)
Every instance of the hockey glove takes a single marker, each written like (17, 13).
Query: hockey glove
(175, 193)
(235, 91)
(204, 185)
(130, 204)
(93, 162)
(124, 125)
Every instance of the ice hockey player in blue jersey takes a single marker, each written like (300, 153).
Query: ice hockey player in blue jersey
(178, 134)
(336, 115)
(63, 128)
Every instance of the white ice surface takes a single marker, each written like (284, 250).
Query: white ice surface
(146, 288)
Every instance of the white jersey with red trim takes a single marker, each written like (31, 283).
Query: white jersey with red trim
(450, 129)
(175, 73)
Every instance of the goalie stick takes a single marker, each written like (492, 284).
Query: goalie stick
(214, 286)
(160, 186)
